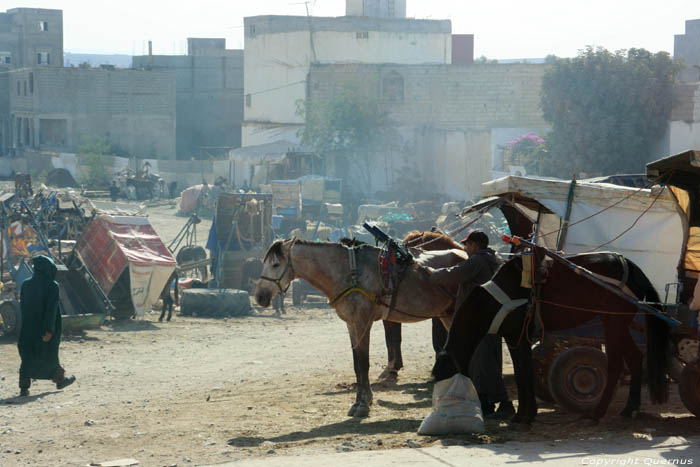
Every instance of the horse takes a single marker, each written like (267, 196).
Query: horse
(356, 293)
(565, 300)
(251, 270)
(167, 297)
(418, 241)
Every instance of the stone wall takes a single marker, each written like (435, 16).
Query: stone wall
(454, 120)
(133, 110)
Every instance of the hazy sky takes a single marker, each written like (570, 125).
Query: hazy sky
(502, 29)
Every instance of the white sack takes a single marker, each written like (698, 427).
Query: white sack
(456, 408)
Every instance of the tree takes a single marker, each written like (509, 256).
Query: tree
(607, 110)
(352, 125)
(94, 171)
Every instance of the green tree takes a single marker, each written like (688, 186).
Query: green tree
(91, 155)
(607, 110)
(351, 125)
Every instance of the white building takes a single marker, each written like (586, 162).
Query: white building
(279, 51)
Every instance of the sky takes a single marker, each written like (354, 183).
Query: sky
(502, 29)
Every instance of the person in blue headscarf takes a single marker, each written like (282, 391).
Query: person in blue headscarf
(40, 333)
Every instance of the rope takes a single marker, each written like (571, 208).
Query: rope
(628, 228)
(648, 185)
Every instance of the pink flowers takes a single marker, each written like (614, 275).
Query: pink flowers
(526, 140)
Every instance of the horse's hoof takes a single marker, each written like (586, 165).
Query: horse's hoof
(361, 411)
(389, 376)
(353, 409)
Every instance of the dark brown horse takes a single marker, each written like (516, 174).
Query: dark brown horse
(424, 241)
(565, 300)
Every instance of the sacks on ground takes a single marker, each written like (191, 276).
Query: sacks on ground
(456, 408)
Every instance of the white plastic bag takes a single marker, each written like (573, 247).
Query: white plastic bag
(456, 408)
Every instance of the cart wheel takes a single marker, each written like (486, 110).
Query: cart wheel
(9, 317)
(540, 370)
(297, 295)
(689, 389)
(577, 378)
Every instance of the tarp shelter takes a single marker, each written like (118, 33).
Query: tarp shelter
(125, 254)
(644, 225)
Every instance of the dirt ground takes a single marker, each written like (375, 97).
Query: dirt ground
(202, 391)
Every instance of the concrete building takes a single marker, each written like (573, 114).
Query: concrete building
(454, 120)
(28, 37)
(209, 95)
(31, 36)
(59, 109)
(376, 8)
(687, 47)
(279, 51)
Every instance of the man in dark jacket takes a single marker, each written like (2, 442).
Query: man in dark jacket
(40, 333)
(485, 367)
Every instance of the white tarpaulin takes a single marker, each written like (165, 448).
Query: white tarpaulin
(653, 239)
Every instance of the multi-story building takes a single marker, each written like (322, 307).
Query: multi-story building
(209, 95)
(31, 36)
(279, 52)
(60, 109)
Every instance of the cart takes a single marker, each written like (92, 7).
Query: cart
(579, 216)
(240, 235)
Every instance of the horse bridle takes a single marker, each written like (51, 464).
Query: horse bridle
(287, 267)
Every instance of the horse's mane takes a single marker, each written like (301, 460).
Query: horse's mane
(276, 248)
(430, 241)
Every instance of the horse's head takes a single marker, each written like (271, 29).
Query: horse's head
(277, 272)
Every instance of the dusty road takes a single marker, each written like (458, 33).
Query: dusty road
(198, 391)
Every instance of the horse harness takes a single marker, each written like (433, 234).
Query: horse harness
(535, 282)
(287, 267)
(354, 287)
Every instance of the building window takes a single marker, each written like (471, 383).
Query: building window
(25, 88)
(43, 58)
(251, 30)
(392, 9)
(31, 82)
(392, 87)
(7, 60)
(43, 26)
(18, 88)
(248, 99)
(362, 35)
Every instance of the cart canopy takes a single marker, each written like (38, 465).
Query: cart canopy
(115, 245)
(645, 225)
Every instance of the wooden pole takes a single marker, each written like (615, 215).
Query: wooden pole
(590, 276)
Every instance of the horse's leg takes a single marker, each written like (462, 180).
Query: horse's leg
(359, 338)
(439, 335)
(170, 307)
(521, 354)
(392, 335)
(633, 358)
(614, 330)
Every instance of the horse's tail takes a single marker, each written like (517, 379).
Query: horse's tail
(657, 341)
